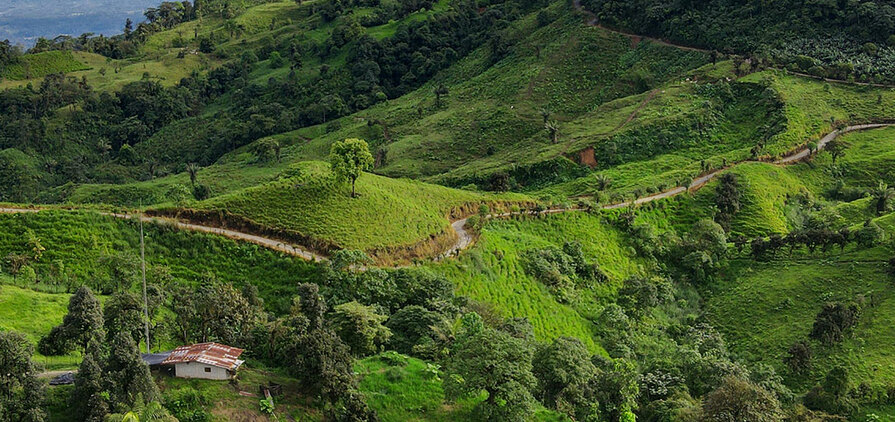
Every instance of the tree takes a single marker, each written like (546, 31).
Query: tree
(740, 400)
(553, 128)
(412, 326)
(123, 312)
(193, 170)
(322, 362)
(639, 294)
(603, 182)
(310, 305)
(870, 234)
(704, 250)
(360, 327)
(615, 389)
(16, 263)
(836, 148)
(21, 393)
(127, 376)
(562, 369)
(233, 27)
(484, 359)
(727, 199)
(222, 313)
(833, 321)
(84, 320)
(128, 28)
(87, 399)
(440, 91)
(882, 195)
(798, 357)
(348, 159)
(122, 270)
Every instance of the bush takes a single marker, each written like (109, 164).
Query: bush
(276, 60)
(833, 321)
(188, 404)
(201, 192)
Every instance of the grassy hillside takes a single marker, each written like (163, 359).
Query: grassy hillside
(402, 388)
(763, 308)
(494, 272)
(36, 66)
(310, 205)
(34, 314)
(79, 246)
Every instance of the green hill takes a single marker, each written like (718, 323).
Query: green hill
(223, 114)
(311, 208)
(36, 66)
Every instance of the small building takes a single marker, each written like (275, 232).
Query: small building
(211, 361)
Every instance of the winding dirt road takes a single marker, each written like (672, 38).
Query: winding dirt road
(465, 239)
(269, 243)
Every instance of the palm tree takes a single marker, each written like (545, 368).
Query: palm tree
(192, 169)
(553, 128)
(881, 195)
(603, 182)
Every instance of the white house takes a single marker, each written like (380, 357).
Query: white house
(205, 360)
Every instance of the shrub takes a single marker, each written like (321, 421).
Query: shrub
(833, 321)
(201, 192)
(276, 60)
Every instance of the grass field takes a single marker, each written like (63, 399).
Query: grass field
(763, 308)
(106, 74)
(811, 106)
(401, 388)
(36, 66)
(493, 272)
(34, 314)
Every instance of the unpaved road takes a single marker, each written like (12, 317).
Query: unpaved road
(465, 239)
(269, 243)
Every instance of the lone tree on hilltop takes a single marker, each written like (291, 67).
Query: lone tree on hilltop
(349, 158)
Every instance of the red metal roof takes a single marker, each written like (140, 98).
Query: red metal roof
(207, 353)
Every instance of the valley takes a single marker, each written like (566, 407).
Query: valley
(441, 210)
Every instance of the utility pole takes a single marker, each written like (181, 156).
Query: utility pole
(143, 267)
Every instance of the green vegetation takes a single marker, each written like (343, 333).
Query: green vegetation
(314, 208)
(494, 273)
(780, 299)
(404, 388)
(84, 248)
(35, 66)
(362, 129)
(838, 41)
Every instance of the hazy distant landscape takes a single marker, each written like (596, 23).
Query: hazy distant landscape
(22, 21)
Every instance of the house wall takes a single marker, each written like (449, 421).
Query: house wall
(198, 370)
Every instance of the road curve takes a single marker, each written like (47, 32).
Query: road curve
(465, 239)
(268, 243)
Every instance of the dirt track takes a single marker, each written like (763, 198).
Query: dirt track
(465, 239)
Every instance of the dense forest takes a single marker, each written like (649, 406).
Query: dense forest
(857, 35)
